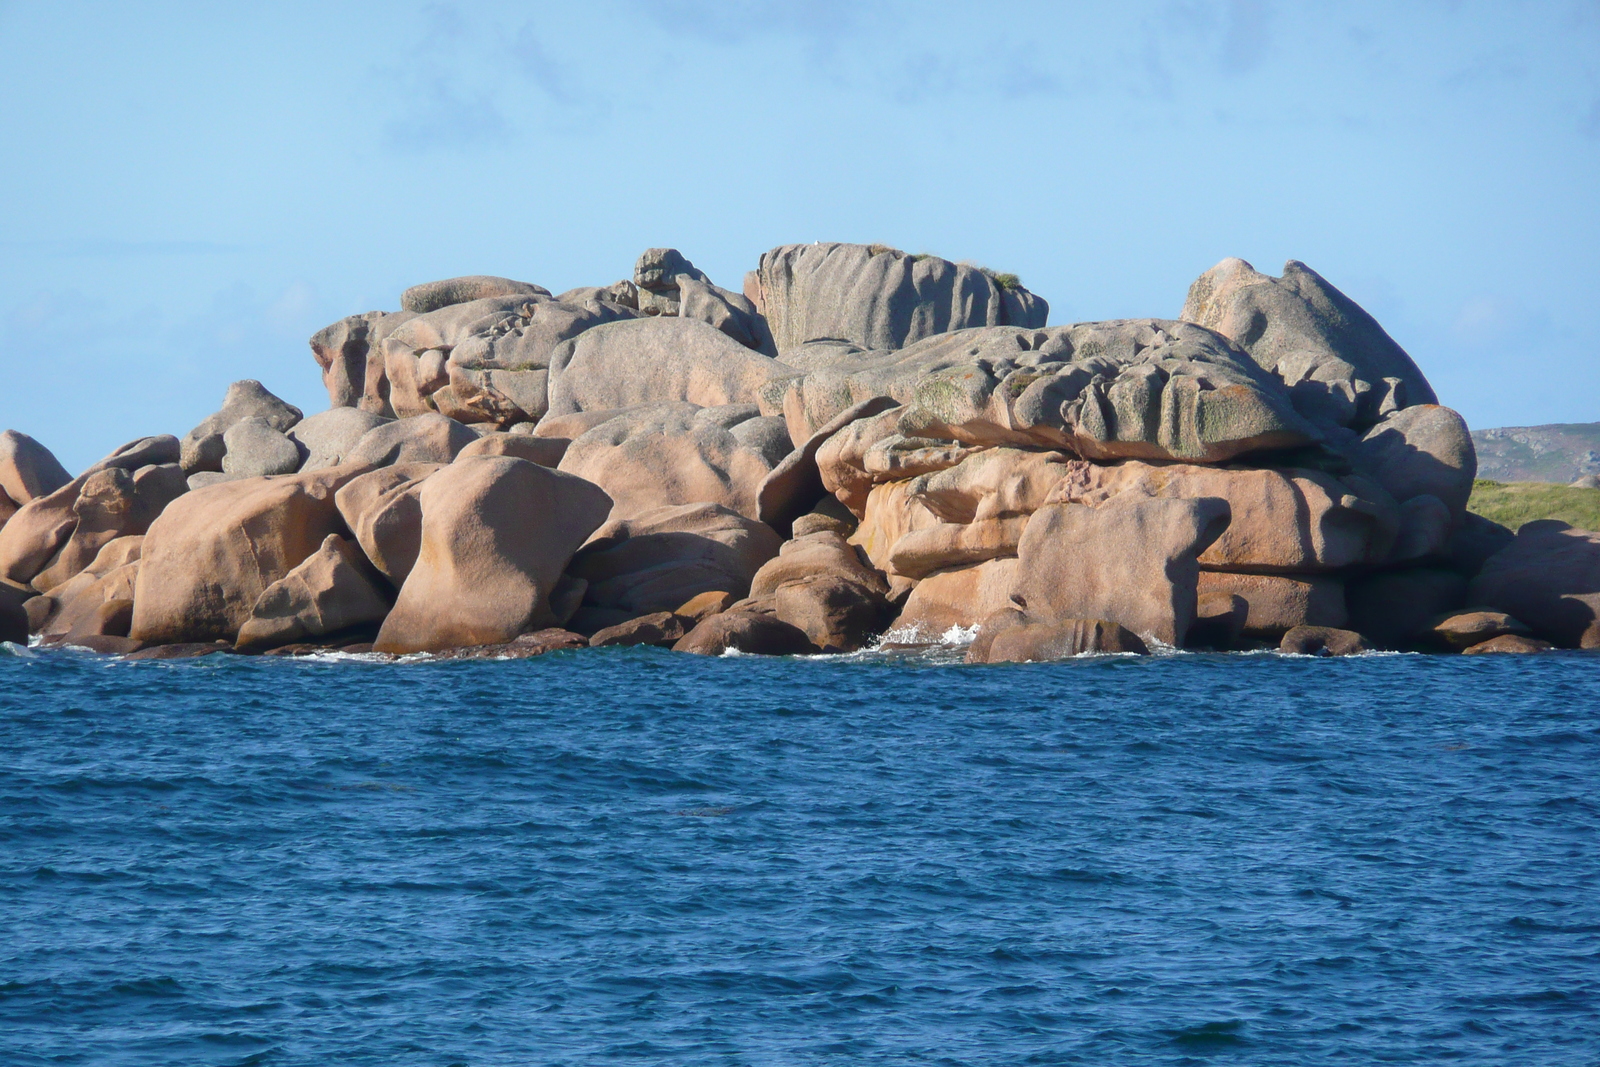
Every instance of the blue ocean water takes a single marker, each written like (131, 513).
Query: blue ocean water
(627, 856)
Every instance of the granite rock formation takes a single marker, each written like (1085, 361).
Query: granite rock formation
(857, 443)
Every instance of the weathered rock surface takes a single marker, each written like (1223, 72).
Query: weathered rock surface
(111, 505)
(662, 629)
(1322, 641)
(1338, 363)
(429, 438)
(203, 447)
(212, 553)
(329, 438)
(962, 597)
(881, 298)
(28, 470)
(1514, 643)
(253, 449)
(653, 361)
(332, 589)
(1423, 449)
(670, 454)
(32, 537)
(431, 296)
(661, 559)
(1468, 628)
(1008, 637)
(350, 354)
(1138, 388)
(545, 451)
(497, 533)
(1549, 577)
(752, 633)
(1133, 560)
(383, 509)
(1277, 603)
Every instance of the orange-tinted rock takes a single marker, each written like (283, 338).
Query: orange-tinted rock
(662, 629)
(961, 597)
(1508, 643)
(753, 633)
(333, 589)
(1010, 637)
(497, 533)
(1277, 603)
(1469, 628)
(1132, 560)
(211, 554)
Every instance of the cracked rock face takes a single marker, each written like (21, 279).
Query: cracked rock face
(1128, 389)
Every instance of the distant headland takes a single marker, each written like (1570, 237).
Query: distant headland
(860, 446)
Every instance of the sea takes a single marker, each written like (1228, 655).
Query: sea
(631, 856)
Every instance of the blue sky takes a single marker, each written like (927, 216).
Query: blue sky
(188, 191)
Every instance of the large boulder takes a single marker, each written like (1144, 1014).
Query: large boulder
(431, 296)
(383, 508)
(750, 632)
(820, 584)
(331, 590)
(1277, 603)
(497, 533)
(1422, 450)
(1136, 388)
(651, 361)
(881, 298)
(731, 313)
(38, 531)
(254, 449)
(485, 360)
(112, 504)
(1009, 636)
(203, 447)
(212, 553)
(328, 438)
(1339, 364)
(28, 470)
(947, 604)
(1284, 520)
(429, 438)
(350, 354)
(1133, 560)
(663, 557)
(1548, 578)
(670, 454)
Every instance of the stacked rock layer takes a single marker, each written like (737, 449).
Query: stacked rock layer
(859, 444)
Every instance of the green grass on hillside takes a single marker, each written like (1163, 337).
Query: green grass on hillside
(1513, 503)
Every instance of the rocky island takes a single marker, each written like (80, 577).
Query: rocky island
(860, 445)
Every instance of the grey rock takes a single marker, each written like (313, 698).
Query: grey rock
(881, 298)
(201, 479)
(1128, 389)
(484, 353)
(1422, 449)
(328, 437)
(653, 361)
(732, 313)
(254, 448)
(430, 438)
(245, 399)
(431, 296)
(1339, 364)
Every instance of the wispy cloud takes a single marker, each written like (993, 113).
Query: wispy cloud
(107, 248)
(1246, 36)
(821, 24)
